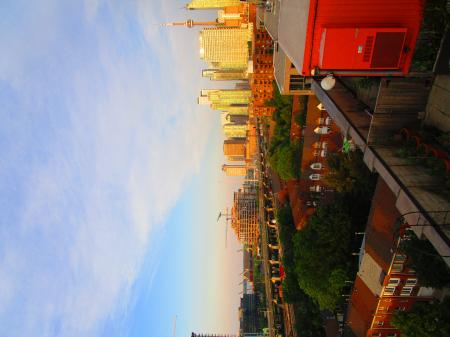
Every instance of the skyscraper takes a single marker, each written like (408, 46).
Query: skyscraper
(234, 170)
(210, 4)
(234, 148)
(226, 47)
(224, 97)
(235, 131)
(225, 74)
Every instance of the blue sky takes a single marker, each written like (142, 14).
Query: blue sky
(109, 175)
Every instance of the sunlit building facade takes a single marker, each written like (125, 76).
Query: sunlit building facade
(225, 74)
(224, 97)
(235, 131)
(211, 4)
(226, 47)
(235, 170)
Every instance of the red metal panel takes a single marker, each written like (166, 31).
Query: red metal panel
(361, 48)
(405, 14)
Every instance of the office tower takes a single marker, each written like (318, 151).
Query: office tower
(226, 47)
(225, 74)
(211, 4)
(224, 97)
(233, 109)
(234, 148)
(234, 170)
(235, 131)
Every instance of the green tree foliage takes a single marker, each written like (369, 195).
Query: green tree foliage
(307, 313)
(285, 160)
(283, 154)
(431, 269)
(424, 320)
(321, 253)
(349, 174)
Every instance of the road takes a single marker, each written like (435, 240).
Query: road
(264, 247)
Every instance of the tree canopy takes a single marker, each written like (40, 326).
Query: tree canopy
(348, 173)
(322, 252)
(424, 320)
(431, 269)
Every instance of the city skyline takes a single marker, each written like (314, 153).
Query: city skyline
(118, 130)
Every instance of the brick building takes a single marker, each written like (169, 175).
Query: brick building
(384, 283)
(320, 137)
(262, 77)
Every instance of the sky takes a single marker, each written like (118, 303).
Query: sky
(110, 179)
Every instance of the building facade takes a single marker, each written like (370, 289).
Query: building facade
(235, 170)
(211, 4)
(234, 148)
(385, 283)
(224, 98)
(261, 80)
(225, 74)
(226, 47)
(244, 217)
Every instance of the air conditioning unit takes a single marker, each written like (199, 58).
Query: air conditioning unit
(361, 48)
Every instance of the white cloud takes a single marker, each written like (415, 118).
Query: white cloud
(111, 138)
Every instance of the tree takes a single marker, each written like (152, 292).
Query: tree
(349, 174)
(321, 253)
(431, 269)
(424, 320)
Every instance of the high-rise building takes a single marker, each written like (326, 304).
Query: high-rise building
(244, 217)
(233, 109)
(224, 97)
(234, 148)
(234, 170)
(226, 47)
(225, 74)
(211, 4)
(210, 335)
(235, 131)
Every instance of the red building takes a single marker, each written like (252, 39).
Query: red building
(350, 37)
(384, 284)
(261, 81)
(320, 137)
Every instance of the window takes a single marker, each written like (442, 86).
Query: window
(322, 130)
(400, 258)
(317, 145)
(389, 291)
(411, 282)
(397, 267)
(315, 188)
(394, 282)
(316, 153)
(315, 176)
(328, 121)
(380, 323)
(320, 120)
(296, 82)
(323, 153)
(406, 291)
(320, 107)
(324, 145)
(316, 166)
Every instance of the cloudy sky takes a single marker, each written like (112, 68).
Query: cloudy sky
(110, 179)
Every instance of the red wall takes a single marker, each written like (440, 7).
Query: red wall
(363, 14)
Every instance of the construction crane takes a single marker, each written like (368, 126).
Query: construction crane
(227, 218)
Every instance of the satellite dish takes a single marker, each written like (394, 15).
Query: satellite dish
(328, 82)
